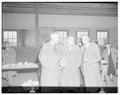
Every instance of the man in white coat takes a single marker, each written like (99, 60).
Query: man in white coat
(49, 59)
(91, 58)
(70, 61)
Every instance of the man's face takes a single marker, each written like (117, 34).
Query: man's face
(108, 46)
(85, 40)
(54, 38)
(71, 41)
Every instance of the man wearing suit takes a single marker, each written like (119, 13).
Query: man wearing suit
(109, 64)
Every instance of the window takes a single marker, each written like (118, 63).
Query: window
(79, 35)
(62, 36)
(102, 37)
(11, 37)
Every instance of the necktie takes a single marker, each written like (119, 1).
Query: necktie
(111, 68)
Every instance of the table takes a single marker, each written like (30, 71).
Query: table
(16, 67)
(19, 67)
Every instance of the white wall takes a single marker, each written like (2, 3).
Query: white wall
(18, 21)
(77, 21)
(15, 20)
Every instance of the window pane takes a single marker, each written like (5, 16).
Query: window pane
(86, 33)
(101, 36)
(60, 35)
(80, 34)
(14, 35)
(10, 40)
(98, 34)
(65, 34)
(5, 34)
(10, 35)
(105, 34)
(14, 41)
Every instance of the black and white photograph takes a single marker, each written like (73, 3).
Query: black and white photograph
(59, 47)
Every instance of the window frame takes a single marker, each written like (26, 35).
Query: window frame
(9, 30)
(18, 36)
(108, 35)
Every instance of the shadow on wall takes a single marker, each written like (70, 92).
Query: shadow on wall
(30, 38)
(29, 54)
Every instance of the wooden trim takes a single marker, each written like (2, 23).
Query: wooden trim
(78, 14)
(36, 23)
(28, 7)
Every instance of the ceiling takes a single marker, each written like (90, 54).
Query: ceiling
(76, 8)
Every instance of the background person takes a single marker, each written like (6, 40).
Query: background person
(109, 65)
(9, 57)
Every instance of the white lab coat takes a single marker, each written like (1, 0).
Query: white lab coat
(70, 75)
(91, 70)
(48, 59)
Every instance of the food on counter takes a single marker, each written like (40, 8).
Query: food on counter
(20, 65)
(30, 83)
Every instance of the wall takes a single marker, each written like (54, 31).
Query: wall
(77, 21)
(18, 21)
(48, 23)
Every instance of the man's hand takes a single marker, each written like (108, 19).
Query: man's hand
(61, 63)
(103, 61)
